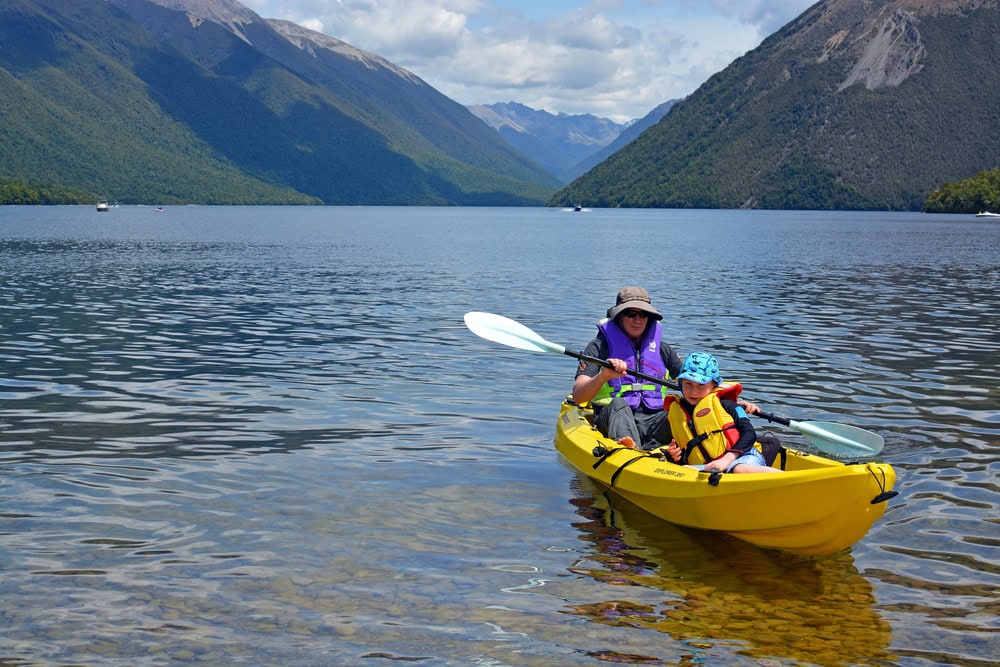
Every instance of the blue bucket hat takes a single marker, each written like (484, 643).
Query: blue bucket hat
(700, 367)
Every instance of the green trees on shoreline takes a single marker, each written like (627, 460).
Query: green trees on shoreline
(19, 193)
(971, 195)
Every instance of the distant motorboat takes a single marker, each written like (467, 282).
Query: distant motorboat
(577, 208)
(102, 205)
(987, 214)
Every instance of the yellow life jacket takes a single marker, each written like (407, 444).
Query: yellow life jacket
(709, 432)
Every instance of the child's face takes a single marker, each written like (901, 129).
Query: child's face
(694, 392)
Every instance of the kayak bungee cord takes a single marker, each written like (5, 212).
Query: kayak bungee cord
(885, 495)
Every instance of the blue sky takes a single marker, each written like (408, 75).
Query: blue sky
(611, 58)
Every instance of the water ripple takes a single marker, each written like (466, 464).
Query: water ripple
(266, 436)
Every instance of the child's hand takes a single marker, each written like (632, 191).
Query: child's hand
(722, 463)
(673, 451)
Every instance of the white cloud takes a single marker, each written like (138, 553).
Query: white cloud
(769, 15)
(313, 24)
(420, 30)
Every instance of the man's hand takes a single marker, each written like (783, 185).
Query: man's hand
(618, 369)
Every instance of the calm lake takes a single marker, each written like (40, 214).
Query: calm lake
(265, 436)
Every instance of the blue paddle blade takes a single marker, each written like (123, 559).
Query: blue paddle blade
(840, 439)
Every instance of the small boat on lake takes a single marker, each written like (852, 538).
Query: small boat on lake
(103, 205)
(987, 214)
(816, 507)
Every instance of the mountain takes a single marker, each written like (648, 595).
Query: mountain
(558, 142)
(632, 131)
(203, 101)
(856, 104)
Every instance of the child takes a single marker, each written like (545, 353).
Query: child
(711, 432)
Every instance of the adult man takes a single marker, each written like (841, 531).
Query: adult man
(628, 409)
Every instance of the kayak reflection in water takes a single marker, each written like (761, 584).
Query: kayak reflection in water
(773, 607)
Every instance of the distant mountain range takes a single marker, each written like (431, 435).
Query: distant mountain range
(176, 101)
(631, 132)
(856, 104)
(566, 145)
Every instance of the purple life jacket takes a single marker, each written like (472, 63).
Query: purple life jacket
(646, 359)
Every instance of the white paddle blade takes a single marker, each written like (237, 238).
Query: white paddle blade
(844, 439)
(506, 331)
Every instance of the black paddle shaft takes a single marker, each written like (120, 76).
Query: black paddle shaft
(774, 418)
(604, 362)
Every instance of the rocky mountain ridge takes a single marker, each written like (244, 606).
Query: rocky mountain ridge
(566, 145)
(556, 141)
(854, 104)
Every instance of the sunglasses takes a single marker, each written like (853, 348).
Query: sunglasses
(635, 313)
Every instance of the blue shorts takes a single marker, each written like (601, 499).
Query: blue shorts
(753, 457)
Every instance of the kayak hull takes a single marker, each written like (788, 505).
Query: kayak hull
(817, 507)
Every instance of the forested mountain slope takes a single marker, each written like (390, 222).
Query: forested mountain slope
(140, 101)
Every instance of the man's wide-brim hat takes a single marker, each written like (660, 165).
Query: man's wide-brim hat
(633, 297)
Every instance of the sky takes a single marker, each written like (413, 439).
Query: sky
(615, 59)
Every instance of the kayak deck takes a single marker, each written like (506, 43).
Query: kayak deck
(818, 506)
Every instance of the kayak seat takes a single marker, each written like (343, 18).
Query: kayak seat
(772, 449)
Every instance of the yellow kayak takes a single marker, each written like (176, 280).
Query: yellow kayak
(818, 506)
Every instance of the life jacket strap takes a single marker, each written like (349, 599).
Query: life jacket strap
(697, 441)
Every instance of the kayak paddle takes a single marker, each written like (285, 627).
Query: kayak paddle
(832, 437)
(829, 437)
(506, 331)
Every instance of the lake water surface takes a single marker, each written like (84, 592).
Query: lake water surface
(265, 436)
